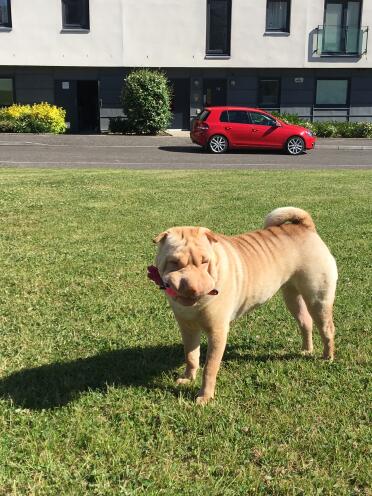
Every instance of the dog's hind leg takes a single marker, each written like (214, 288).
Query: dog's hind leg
(319, 294)
(297, 306)
(322, 313)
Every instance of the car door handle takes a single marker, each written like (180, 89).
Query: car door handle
(227, 128)
(254, 130)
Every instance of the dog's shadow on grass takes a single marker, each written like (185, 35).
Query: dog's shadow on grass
(57, 384)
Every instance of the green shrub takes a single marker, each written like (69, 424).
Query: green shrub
(354, 129)
(330, 129)
(118, 125)
(6, 126)
(325, 129)
(36, 118)
(289, 118)
(146, 100)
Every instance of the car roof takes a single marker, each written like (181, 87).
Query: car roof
(230, 107)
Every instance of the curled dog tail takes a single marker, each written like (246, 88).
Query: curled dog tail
(289, 214)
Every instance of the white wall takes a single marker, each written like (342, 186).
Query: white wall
(164, 33)
(37, 38)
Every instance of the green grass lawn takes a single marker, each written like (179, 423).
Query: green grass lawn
(90, 350)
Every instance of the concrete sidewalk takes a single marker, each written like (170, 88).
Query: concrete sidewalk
(326, 143)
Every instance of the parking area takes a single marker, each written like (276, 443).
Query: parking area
(169, 152)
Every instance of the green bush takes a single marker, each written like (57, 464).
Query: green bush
(325, 129)
(355, 129)
(36, 118)
(146, 100)
(289, 118)
(330, 129)
(118, 125)
(6, 126)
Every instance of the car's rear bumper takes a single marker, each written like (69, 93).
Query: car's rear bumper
(199, 138)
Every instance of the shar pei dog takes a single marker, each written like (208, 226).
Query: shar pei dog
(211, 279)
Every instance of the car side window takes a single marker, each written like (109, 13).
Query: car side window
(224, 117)
(261, 119)
(239, 117)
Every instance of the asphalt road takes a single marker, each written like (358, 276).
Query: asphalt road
(168, 152)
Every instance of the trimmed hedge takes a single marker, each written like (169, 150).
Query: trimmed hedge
(146, 100)
(118, 125)
(331, 129)
(36, 118)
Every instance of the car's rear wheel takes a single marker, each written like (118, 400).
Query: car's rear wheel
(218, 144)
(295, 145)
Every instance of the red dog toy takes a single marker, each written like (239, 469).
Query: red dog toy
(153, 275)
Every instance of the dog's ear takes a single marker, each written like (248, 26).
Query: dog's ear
(212, 237)
(160, 237)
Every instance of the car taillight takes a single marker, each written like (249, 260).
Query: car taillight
(203, 126)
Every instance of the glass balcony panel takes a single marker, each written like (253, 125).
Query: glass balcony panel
(352, 40)
(333, 39)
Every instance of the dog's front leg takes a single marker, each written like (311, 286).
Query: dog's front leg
(191, 343)
(217, 338)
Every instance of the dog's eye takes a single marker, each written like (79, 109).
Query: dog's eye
(205, 261)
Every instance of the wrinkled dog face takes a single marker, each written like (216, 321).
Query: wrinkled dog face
(186, 262)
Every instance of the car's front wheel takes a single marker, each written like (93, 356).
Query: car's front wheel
(218, 144)
(295, 145)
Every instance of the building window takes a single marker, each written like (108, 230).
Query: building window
(342, 20)
(218, 27)
(6, 92)
(278, 13)
(75, 14)
(269, 93)
(5, 14)
(332, 92)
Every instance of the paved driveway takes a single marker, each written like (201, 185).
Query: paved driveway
(168, 152)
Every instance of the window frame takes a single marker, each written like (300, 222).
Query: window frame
(68, 27)
(8, 24)
(287, 29)
(333, 105)
(259, 96)
(345, 5)
(212, 52)
(13, 91)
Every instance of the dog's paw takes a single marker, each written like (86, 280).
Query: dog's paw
(183, 380)
(328, 357)
(306, 353)
(203, 400)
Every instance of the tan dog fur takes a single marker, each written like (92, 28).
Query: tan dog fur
(247, 270)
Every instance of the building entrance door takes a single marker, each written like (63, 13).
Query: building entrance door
(214, 92)
(180, 103)
(80, 99)
(87, 106)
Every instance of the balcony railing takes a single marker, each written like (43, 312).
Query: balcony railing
(341, 41)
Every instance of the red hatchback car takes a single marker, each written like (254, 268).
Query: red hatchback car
(218, 129)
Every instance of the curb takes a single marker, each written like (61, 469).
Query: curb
(344, 147)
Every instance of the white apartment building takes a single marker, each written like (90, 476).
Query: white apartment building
(309, 57)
